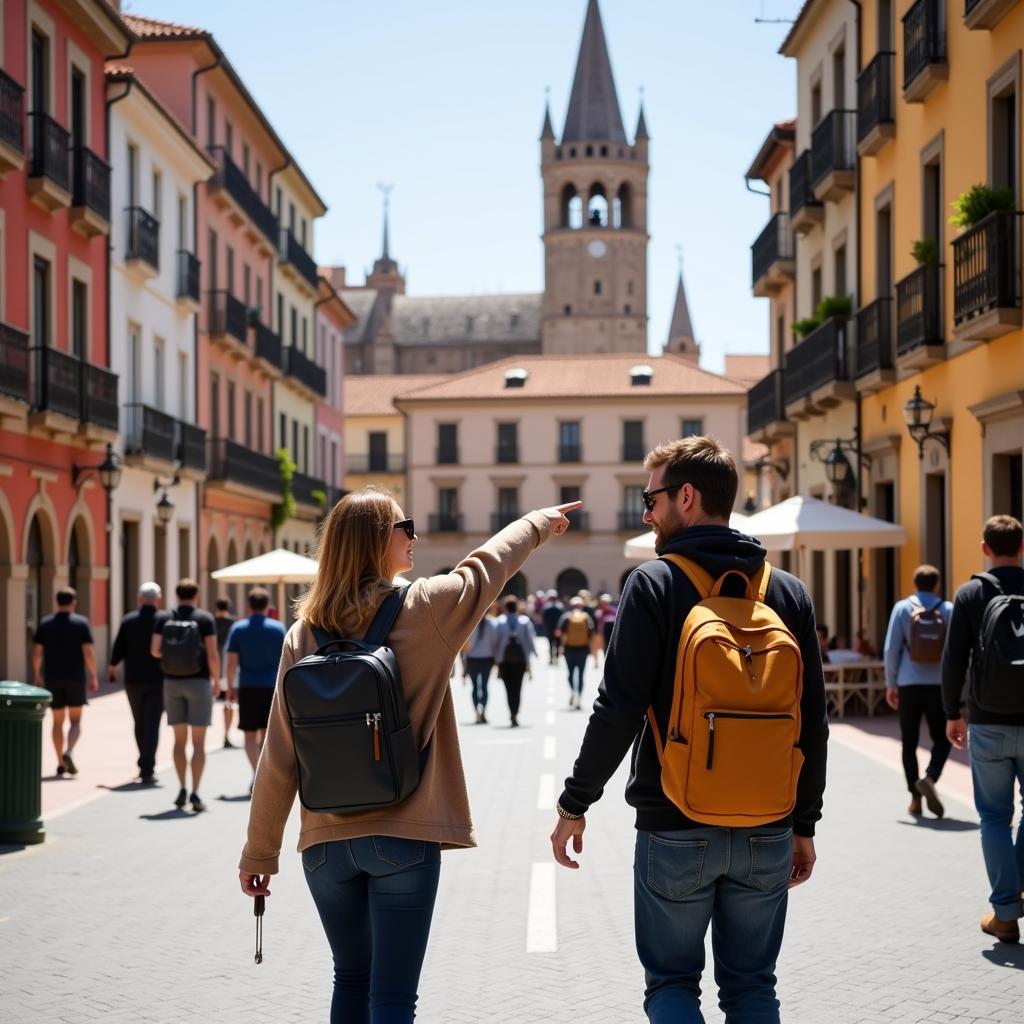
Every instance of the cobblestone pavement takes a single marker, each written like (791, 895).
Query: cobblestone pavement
(130, 911)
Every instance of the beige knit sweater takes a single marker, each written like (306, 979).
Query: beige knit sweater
(437, 618)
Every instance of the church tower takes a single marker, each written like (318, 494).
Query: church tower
(681, 341)
(595, 214)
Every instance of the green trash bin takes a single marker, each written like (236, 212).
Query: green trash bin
(22, 708)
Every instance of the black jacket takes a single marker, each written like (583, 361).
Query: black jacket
(639, 671)
(132, 647)
(961, 648)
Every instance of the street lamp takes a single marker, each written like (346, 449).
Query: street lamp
(918, 413)
(838, 470)
(165, 509)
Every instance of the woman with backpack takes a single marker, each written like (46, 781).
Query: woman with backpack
(373, 874)
(513, 650)
(480, 661)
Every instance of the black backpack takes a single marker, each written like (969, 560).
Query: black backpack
(354, 747)
(997, 679)
(513, 654)
(181, 651)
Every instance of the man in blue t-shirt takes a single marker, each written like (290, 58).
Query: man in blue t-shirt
(254, 653)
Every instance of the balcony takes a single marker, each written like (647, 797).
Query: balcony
(12, 125)
(766, 410)
(56, 391)
(506, 454)
(447, 455)
(240, 470)
(773, 257)
(570, 453)
(445, 522)
(919, 335)
(924, 50)
(90, 194)
(49, 168)
(187, 292)
(499, 520)
(986, 279)
(874, 349)
(805, 211)
(100, 419)
(631, 520)
(818, 374)
(267, 348)
(226, 320)
(142, 253)
(834, 155)
(149, 438)
(14, 392)
(302, 370)
(375, 463)
(986, 14)
(310, 494)
(230, 187)
(579, 521)
(876, 109)
(190, 449)
(294, 261)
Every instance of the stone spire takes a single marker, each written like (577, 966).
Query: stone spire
(681, 341)
(385, 274)
(593, 114)
(641, 124)
(548, 131)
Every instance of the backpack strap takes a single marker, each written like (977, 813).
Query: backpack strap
(385, 617)
(990, 578)
(760, 580)
(702, 580)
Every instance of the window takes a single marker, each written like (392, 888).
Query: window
(569, 494)
(932, 204)
(447, 443)
(231, 410)
(211, 259)
(321, 457)
(508, 442)
(632, 508)
(40, 302)
(378, 460)
(815, 103)
(134, 375)
(816, 288)
(295, 441)
(333, 476)
(305, 448)
(79, 319)
(633, 441)
(160, 374)
(294, 318)
(305, 331)
(183, 386)
(780, 340)
(303, 228)
(839, 78)
(183, 223)
(158, 185)
(885, 33)
(133, 175)
(283, 423)
(259, 295)
(79, 90)
(259, 179)
(291, 218)
(1008, 485)
(567, 309)
(1003, 137)
(246, 284)
(277, 208)
(248, 418)
(230, 267)
(215, 405)
(693, 428)
(447, 508)
(883, 250)
(245, 159)
(597, 287)
(229, 137)
(778, 194)
(211, 122)
(40, 83)
(840, 270)
(260, 418)
(280, 314)
(508, 506)
(569, 441)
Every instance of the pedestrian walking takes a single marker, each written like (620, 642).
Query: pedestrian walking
(553, 611)
(606, 612)
(480, 663)
(254, 653)
(576, 632)
(513, 649)
(733, 874)
(913, 681)
(374, 877)
(64, 662)
(185, 643)
(143, 677)
(985, 651)
(224, 621)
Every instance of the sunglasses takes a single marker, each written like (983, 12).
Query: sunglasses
(407, 525)
(649, 496)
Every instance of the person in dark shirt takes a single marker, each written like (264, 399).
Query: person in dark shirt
(188, 699)
(688, 875)
(143, 678)
(996, 741)
(550, 615)
(224, 620)
(63, 662)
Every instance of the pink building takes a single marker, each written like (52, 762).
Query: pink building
(333, 316)
(58, 400)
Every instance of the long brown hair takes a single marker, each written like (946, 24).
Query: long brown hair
(353, 552)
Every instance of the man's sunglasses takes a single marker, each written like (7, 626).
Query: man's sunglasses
(649, 496)
(407, 525)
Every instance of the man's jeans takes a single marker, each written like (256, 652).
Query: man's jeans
(576, 659)
(997, 759)
(479, 672)
(375, 896)
(734, 879)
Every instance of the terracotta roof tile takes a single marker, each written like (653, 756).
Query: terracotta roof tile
(748, 369)
(151, 28)
(374, 394)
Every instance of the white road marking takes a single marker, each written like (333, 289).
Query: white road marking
(550, 746)
(542, 917)
(551, 700)
(546, 793)
(549, 718)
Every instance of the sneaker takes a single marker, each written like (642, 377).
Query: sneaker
(915, 807)
(148, 780)
(197, 804)
(181, 799)
(926, 787)
(69, 764)
(1004, 931)
(228, 745)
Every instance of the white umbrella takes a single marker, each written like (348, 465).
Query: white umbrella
(275, 568)
(641, 548)
(810, 524)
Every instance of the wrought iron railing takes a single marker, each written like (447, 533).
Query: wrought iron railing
(834, 144)
(298, 365)
(631, 519)
(91, 182)
(188, 276)
(190, 445)
(268, 345)
(14, 362)
(447, 455)
(375, 463)
(818, 360)
(148, 431)
(232, 179)
(499, 520)
(874, 337)
(443, 522)
(506, 453)
(12, 113)
(765, 402)
(292, 252)
(143, 237)
(51, 150)
(801, 191)
(226, 315)
(924, 38)
(919, 309)
(773, 244)
(633, 451)
(308, 490)
(233, 462)
(99, 397)
(986, 266)
(875, 105)
(56, 382)
(570, 453)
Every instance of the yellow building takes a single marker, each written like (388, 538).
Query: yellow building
(939, 111)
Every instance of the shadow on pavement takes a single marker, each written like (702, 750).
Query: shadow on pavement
(241, 798)
(1005, 955)
(11, 848)
(943, 824)
(171, 815)
(134, 786)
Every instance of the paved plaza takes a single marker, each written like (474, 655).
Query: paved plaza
(130, 912)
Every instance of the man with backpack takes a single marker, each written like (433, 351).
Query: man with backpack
(728, 763)
(985, 649)
(185, 642)
(575, 631)
(913, 681)
(512, 652)
(551, 616)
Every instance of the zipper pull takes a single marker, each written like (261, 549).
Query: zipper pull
(711, 739)
(376, 737)
(748, 653)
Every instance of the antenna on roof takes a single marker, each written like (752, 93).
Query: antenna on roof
(385, 191)
(762, 20)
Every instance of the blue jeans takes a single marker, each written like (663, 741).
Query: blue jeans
(375, 896)
(479, 672)
(576, 659)
(997, 760)
(734, 879)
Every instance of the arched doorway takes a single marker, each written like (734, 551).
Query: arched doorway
(232, 588)
(570, 582)
(40, 552)
(516, 585)
(9, 605)
(212, 564)
(80, 566)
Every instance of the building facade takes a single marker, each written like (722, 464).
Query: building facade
(58, 395)
(333, 318)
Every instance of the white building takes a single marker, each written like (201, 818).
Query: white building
(154, 298)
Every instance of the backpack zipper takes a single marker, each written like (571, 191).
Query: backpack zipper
(373, 722)
(712, 715)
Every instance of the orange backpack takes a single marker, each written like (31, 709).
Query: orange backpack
(731, 757)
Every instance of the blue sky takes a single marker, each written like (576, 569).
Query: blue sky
(445, 100)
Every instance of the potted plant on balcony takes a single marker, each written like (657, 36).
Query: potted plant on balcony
(925, 252)
(972, 207)
(834, 306)
(801, 328)
(281, 512)
(253, 316)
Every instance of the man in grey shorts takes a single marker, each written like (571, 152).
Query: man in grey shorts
(185, 641)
